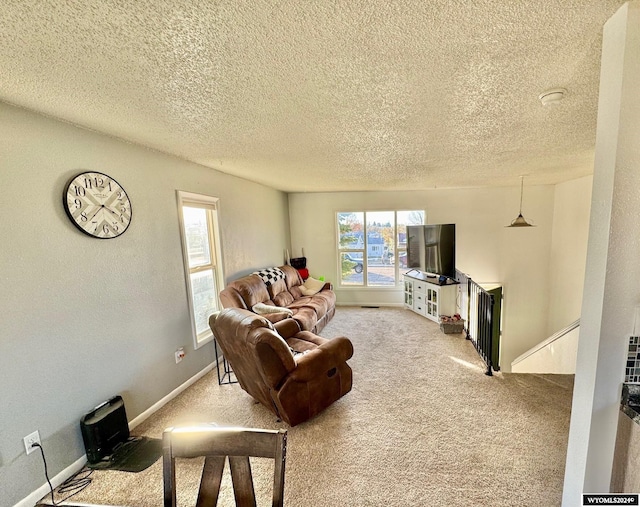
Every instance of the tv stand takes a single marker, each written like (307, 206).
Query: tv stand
(427, 297)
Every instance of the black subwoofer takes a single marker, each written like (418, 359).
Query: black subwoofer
(104, 428)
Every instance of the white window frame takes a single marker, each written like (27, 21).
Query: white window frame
(211, 204)
(365, 248)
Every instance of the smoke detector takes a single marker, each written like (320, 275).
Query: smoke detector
(553, 96)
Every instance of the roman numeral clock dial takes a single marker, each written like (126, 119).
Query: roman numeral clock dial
(97, 205)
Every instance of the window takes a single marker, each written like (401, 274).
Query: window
(372, 246)
(201, 255)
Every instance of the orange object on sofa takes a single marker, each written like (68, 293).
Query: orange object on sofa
(294, 373)
(312, 312)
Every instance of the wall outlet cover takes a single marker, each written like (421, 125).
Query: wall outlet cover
(29, 440)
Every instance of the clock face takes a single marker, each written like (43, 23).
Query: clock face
(97, 205)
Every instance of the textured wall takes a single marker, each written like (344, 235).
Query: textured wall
(557, 357)
(625, 477)
(568, 251)
(486, 250)
(84, 319)
(612, 273)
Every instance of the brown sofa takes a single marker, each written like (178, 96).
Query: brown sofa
(294, 373)
(311, 312)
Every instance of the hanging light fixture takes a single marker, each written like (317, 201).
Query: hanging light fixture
(519, 221)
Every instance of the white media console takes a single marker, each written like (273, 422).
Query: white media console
(429, 298)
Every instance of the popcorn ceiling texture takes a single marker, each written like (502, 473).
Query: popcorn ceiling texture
(322, 96)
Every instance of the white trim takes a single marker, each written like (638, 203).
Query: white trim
(42, 491)
(76, 466)
(381, 305)
(211, 205)
(365, 249)
(161, 403)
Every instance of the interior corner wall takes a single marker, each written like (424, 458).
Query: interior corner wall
(485, 249)
(612, 274)
(84, 319)
(570, 234)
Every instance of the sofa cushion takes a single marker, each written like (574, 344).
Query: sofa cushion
(304, 340)
(283, 299)
(296, 292)
(318, 305)
(329, 296)
(292, 276)
(306, 317)
(277, 287)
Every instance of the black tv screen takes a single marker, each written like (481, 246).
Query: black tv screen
(432, 249)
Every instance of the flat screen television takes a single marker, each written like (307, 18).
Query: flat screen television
(432, 249)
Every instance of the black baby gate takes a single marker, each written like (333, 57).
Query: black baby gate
(482, 319)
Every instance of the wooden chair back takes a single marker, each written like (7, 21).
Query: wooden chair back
(216, 444)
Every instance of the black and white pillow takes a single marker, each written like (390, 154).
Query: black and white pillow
(270, 275)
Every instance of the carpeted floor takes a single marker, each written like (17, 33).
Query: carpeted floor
(423, 426)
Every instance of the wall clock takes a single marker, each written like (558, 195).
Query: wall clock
(97, 205)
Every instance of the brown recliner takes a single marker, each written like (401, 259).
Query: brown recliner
(294, 373)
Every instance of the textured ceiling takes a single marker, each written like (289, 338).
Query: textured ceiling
(324, 95)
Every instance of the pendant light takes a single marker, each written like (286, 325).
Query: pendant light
(519, 221)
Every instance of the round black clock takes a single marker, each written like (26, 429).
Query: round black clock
(97, 205)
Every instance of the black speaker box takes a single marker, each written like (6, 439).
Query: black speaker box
(104, 428)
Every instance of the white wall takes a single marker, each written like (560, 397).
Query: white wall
(612, 274)
(558, 357)
(85, 319)
(486, 250)
(570, 234)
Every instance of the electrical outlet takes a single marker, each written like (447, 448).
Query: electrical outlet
(179, 354)
(29, 440)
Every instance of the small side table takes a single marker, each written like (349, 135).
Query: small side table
(225, 372)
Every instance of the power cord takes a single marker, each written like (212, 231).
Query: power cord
(74, 484)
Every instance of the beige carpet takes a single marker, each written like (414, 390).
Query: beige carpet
(423, 426)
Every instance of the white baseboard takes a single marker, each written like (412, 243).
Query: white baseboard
(39, 493)
(158, 405)
(372, 305)
(77, 465)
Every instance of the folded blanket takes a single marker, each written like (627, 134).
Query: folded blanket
(311, 286)
(264, 309)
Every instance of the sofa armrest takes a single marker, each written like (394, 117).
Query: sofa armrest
(327, 286)
(320, 360)
(287, 328)
(231, 298)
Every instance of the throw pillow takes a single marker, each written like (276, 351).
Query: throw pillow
(263, 309)
(311, 286)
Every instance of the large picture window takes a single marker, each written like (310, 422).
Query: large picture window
(372, 246)
(201, 255)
